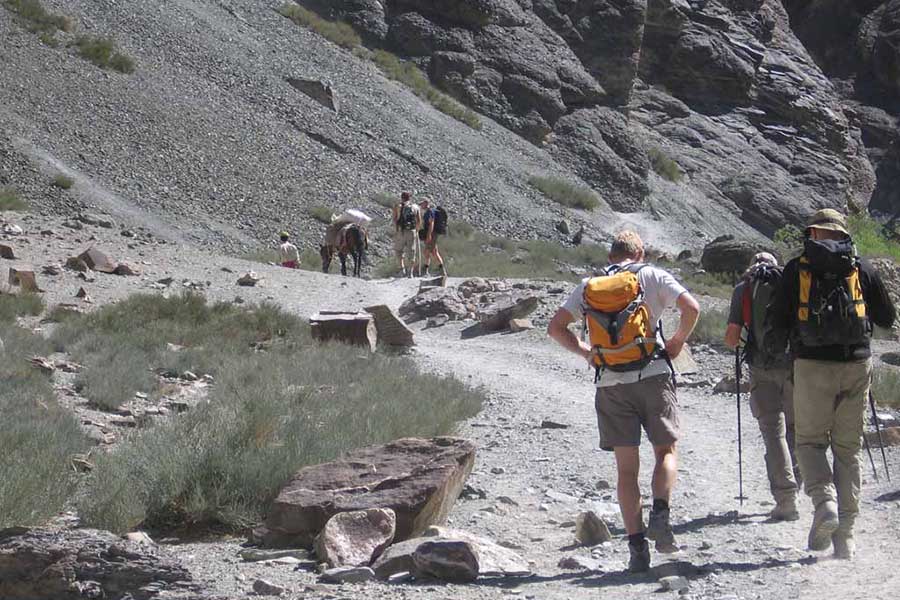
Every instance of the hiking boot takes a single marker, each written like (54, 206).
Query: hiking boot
(640, 558)
(824, 524)
(660, 531)
(785, 510)
(844, 546)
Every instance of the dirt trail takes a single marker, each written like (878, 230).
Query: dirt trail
(728, 552)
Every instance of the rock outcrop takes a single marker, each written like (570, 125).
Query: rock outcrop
(37, 563)
(418, 479)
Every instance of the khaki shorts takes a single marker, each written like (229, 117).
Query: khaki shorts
(405, 243)
(623, 409)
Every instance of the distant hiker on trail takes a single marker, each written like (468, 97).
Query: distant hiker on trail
(290, 256)
(622, 309)
(434, 223)
(771, 389)
(825, 305)
(407, 219)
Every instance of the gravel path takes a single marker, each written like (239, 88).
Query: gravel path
(728, 551)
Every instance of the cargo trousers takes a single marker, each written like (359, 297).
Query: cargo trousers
(772, 404)
(829, 408)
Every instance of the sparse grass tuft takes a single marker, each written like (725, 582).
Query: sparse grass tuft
(48, 39)
(10, 200)
(664, 166)
(717, 285)
(886, 386)
(322, 214)
(19, 305)
(63, 182)
(270, 413)
(385, 199)
(37, 18)
(412, 77)
(470, 253)
(566, 193)
(710, 328)
(102, 52)
(38, 438)
(337, 32)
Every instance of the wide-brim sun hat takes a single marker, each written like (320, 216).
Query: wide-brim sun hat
(828, 219)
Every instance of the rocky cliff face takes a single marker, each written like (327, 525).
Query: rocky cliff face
(691, 118)
(725, 88)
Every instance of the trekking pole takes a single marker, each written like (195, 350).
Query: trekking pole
(871, 458)
(737, 390)
(880, 437)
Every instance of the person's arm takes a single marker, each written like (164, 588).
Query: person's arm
(690, 313)
(881, 309)
(560, 332)
(735, 318)
(429, 235)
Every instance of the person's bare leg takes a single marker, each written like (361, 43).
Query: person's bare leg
(665, 473)
(628, 466)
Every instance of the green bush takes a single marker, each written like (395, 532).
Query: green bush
(789, 240)
(470, 253)
(872, 239)
(418, 83)
(270, 413)
(37, 18)
(886, 386)
(38, 438)
(566, 193)
(664, 166)
(10, 200)
(19, 305)
(339, 33)
(63, 182)
(710, 327)
(102, 52)
(322, 214)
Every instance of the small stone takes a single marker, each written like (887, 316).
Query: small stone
(74, 263)
(578, 563)
(347, 575)
(437, 321)
(81, 293)
(507, 500)
(125, 270)
(591, 530)
(249, 279)
(705, 545)
(7, 252)
(139, 537)
(267, 588)
(548, 424)
(402, 577)
(519, 325)
(52, 270)
(603, 485)
(563, 227)
(498, 470)
(189, 376)
(259, 555)
(12, 229)
(674, 583)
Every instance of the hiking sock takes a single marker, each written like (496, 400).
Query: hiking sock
(636, 540)
(660, 504)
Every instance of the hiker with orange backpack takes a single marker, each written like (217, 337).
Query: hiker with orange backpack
(622, 309)
(771, 386)
(825, 306)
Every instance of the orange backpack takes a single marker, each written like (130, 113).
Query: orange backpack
(619, 324)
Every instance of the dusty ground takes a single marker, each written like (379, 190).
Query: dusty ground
(728, 551)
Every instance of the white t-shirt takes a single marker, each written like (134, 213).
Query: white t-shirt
(289, 252)
(661, 290)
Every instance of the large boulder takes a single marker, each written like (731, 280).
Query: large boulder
(419, 479)
(729, 255)
(455, 561)
(42, 563)
(436, 301)
(356, 538)
(96, 260)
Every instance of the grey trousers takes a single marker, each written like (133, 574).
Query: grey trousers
(772, 403)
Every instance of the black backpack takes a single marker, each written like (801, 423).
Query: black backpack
(831, 309)
(760, 284)
(440, 220)
(407, 217)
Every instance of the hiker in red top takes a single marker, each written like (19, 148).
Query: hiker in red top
(771, 381)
